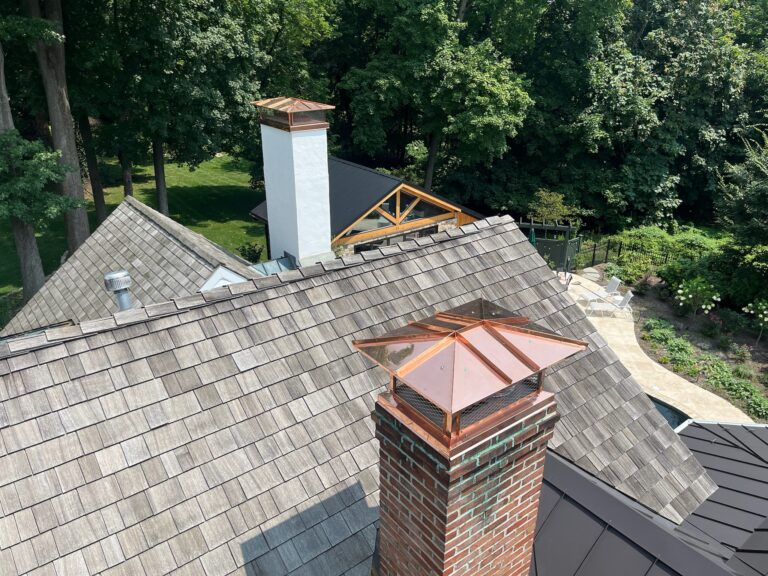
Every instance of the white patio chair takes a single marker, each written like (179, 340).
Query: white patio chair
(609, 292)
(611, 306)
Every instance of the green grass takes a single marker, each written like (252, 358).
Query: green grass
(213, 199)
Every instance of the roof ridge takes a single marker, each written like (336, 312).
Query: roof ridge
(183, 235)
(367, 168)
(23, 344)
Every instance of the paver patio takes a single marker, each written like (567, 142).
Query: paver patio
(655, 380)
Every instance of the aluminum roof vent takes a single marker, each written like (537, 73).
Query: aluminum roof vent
(457, 369)
(118, 283)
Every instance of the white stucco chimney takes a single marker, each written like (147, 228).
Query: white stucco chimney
(295, 149)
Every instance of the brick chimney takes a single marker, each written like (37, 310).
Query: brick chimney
(463, 433)
(295, 150)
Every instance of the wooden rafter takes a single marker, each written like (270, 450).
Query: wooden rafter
(398, 222)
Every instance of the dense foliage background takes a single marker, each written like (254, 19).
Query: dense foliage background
(631, 112)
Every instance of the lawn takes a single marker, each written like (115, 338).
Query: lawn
(213, 199)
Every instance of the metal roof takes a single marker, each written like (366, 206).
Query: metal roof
(587, 528)
(355, 190)
(736, 515)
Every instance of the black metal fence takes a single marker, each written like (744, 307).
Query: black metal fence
(592, 253)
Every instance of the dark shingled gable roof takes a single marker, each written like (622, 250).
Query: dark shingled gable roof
(736, 515)
(165, 259)
(230, 433)
(354, 191)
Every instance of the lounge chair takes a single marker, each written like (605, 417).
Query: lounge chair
(608, 293)
(610, 306)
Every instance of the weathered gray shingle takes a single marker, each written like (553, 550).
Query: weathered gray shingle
(237, 431)
(166, 261)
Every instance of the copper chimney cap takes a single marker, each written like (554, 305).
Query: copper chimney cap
(293, 114)
(462, 357)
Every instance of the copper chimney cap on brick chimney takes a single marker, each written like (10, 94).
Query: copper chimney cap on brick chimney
(459, 368)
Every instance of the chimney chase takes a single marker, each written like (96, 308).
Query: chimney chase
(295, 150)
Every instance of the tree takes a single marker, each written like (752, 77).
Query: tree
(26, 170)
(743, 206)
(51, 60)
(459, 96)
(177, 78)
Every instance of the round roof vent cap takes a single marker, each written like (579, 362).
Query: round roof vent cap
(117, 280)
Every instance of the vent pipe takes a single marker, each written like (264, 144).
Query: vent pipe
(118, 283)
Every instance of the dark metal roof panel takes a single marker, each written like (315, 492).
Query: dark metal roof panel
(736, 458)
(354, 191)
(587, 528)
(612, 550)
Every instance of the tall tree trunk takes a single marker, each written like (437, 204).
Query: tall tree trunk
(126, 166)
(97, 189)
(50, 58)
(434, 148)
(32, 275)
(159, 161)
(6, 119)
(462, 10)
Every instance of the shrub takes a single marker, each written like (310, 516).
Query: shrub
(743, 371)
(251, 251)
(658, 330)
(743, 353)
(731, 321)
(759, 309)
(724, 342)
(712, 326)
(697, 294)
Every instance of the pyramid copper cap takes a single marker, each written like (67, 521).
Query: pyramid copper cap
(458, 359)
(292, 114)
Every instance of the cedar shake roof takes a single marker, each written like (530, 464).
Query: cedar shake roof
(230, 433)
(165, 260)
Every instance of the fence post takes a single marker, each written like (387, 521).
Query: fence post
(607, 249)
(594, 252)
(621, 243)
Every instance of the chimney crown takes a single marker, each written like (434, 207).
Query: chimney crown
(458, 368)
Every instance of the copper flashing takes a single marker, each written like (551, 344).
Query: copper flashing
(457, 359)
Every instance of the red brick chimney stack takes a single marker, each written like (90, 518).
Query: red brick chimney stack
(463, 434)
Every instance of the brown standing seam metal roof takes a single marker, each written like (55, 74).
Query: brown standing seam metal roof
(283, 104)
(166, 260)
(230, 433)
(736, 515)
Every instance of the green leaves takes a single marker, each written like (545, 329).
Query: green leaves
(27, 172)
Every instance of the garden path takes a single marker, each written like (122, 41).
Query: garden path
(655, 380)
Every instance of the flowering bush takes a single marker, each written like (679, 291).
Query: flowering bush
(697, 294)
(759, 309)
